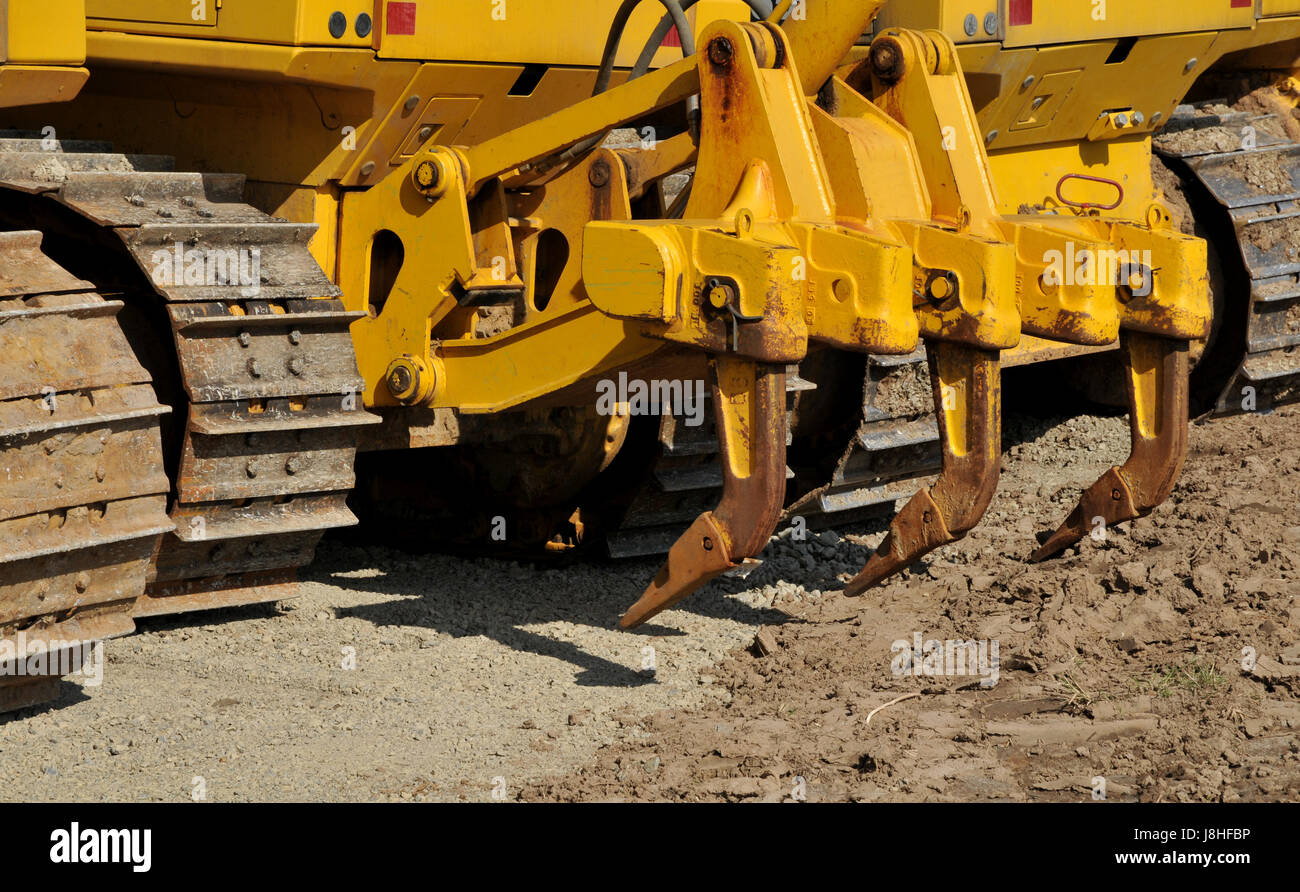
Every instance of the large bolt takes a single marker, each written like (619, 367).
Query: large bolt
(718, 293)
(410, 380)
(941, 287)
(400, 380)
(721, 51)
(296, 365)
(427, 176)
(598, 176)
(887, 60)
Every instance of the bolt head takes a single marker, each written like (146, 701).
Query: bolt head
(721, 51)
(971, 25)
(884, 57)
(399, 380)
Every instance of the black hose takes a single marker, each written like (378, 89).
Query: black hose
(761, 9)
(675, 12)
(676, 15)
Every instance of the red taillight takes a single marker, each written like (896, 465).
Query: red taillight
(399, 18)
(1241, 4)
(1021, 12)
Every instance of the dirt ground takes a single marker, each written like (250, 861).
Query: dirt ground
(398, 677)
(1121, 666)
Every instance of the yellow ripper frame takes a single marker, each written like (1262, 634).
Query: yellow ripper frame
(862, 217)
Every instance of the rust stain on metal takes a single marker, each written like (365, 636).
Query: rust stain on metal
(954, 504)
(1158, 422)
(752, 497)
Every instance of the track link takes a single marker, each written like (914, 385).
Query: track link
(83, 494)
(1252, 170)
(271, 393)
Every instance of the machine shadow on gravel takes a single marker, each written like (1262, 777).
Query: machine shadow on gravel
(500, 598)
(503, 599)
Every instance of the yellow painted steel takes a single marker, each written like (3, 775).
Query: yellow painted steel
(1069, 22)
(52, 32)
(289, 22)
(528, 31)
(861, 217)
(42, 50)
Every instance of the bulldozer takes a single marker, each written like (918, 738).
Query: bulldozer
(646, 276)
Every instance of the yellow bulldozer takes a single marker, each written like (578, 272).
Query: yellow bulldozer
(640, 275)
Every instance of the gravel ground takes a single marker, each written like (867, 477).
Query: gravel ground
(477, 677)
(464, 671)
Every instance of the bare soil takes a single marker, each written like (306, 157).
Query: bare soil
(1122, 665)
(478, 679)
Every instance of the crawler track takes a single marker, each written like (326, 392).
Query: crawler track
(266, 393)
(1251, 171)
(83, 494)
